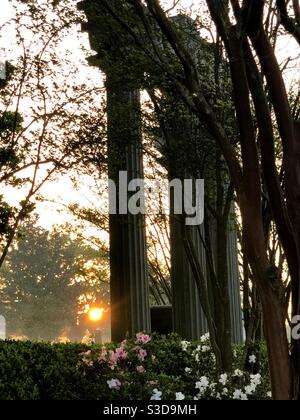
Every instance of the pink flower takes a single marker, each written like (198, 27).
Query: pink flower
(86, 354)
(152, 383)
(103, 355)
(113, 359)
(114, 384)
(142, 355)
(121, 353)
(142, 338)
(124, 343)
(88, 363)
(140, 369)
(87, 360)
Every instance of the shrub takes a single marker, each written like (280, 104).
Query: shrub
(139, 369)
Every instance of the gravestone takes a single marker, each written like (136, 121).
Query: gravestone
(2, 328)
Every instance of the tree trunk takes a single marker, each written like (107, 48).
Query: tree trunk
(272, 295)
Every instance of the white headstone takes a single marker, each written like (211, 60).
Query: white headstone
(2, 328)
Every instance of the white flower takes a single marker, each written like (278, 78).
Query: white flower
(204, 338)
(202, 385)
(225, 391)
(252, 359)
(114, 384)
(205, 349)
(239, 395)
(238, 373)
(223, 379)
(250, 389)
(269, 394)
(180, 396)
(185, 345)
(255, 379)
(198, 350)
(156, 395)
(213, 387)
(188, 370)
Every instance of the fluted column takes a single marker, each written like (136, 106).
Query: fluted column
(130, 311)
(188, 317)
(129, 284)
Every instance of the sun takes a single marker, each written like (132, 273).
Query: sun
(95, 314)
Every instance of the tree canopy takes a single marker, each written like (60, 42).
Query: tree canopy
(47, 281)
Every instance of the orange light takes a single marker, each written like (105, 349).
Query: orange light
(95, 314)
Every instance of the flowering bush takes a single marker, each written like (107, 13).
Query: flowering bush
(143, 368)
(160, 369)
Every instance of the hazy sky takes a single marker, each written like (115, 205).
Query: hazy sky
(5, 14)
(64, 187)
(61, 191)
(5, 10)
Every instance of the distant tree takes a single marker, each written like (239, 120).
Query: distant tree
(47, 280)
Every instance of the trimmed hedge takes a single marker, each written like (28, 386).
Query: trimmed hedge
(34, 371)
(44, 371)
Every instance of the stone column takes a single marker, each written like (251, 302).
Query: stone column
(188, 317)
(130, 311)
